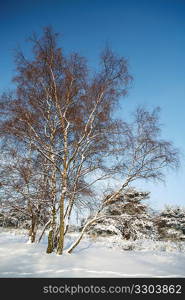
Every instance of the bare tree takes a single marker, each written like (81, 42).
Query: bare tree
(25, 189)
(140, 154)
(66, 114)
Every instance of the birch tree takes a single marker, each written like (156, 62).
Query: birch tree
(25, 192)
(141, 154)
(66, 113)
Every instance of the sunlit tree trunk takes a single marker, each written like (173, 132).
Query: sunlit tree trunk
(33, 228)
(52, 233)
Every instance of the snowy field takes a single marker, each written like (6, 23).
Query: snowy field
(92, 258)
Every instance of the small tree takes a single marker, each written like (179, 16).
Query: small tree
(141, 155)
(24, 191)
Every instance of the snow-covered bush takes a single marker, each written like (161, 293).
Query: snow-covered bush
(150, 245)
(171, 224)
(126, 217)
(14, 220)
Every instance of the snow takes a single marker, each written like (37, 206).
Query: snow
(92, 258)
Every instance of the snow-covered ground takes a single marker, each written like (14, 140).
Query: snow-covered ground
(92, 258)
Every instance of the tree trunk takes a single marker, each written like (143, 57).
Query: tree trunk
(33, 229)
(61, 228)
(60, 245)
(51, 235)
(75, 244)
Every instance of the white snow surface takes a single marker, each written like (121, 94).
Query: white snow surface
(92, 258)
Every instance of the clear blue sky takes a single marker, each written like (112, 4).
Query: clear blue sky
(150, 33)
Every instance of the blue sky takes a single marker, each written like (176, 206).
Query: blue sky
(151, 34)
